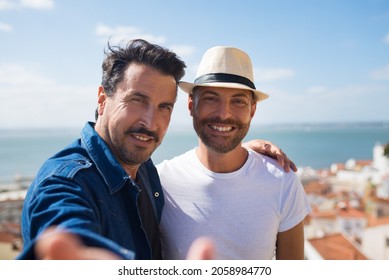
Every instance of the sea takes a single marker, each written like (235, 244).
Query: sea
(22, 152)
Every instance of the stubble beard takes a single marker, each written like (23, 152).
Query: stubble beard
(220, 144)
(133, 155)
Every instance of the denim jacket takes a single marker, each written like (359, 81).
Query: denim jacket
(83, 189)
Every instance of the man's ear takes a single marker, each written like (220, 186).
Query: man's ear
(253, 108)
(101, 98)
(190, 104)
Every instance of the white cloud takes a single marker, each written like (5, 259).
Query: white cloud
(38, 4)
(317, 89)
(345, 103)
(49, 106)
(272, 74)
(121, 33)
(21, 75)
(183, 50)
(6, 5)
(26, 4)
(104, 30)
(30, 99)
(5, 27)
(381, 74)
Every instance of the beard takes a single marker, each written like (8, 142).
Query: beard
(134, 155)
(219, 143)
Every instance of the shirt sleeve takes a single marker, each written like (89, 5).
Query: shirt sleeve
(294, 203)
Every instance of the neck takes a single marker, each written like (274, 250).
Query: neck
(222, 162)
(131, 170)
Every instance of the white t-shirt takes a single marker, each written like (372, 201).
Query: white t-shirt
(241, 211)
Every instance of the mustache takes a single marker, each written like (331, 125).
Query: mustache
(142, 130)
(220, 121)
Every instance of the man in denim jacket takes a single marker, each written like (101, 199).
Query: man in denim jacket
(104, 187)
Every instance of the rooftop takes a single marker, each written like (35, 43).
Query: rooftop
(336, 247)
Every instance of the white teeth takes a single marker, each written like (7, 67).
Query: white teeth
(142, 138)
(222, 128)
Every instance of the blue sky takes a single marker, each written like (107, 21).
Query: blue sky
(319, 60)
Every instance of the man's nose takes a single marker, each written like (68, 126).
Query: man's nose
(224, 110)
(149, 119)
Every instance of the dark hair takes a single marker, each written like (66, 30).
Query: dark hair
(118, 58)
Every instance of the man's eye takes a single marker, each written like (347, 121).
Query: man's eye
(167, 107)
(209, 98)
(137, 100)
(240, 102)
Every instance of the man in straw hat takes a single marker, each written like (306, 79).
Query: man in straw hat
(249, 206)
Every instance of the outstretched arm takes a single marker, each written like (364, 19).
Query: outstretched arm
(61, 245)
(269, 149)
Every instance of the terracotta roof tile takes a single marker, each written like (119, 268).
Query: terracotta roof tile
(336, 247)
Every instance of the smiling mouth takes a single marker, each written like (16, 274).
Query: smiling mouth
(143, 138)
(221, 128)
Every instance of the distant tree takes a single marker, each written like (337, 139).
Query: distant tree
(386, 150)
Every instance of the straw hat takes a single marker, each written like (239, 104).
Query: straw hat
(225, 67)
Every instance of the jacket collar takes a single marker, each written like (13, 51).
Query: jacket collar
(106, 163)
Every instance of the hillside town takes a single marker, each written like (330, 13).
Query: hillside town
(349, 219)
(350, 209)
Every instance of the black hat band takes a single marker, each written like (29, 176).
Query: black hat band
(224, 78)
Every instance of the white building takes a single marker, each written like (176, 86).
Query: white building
(359, 176)
(380, 161)
(375, 242)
